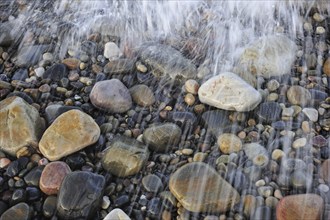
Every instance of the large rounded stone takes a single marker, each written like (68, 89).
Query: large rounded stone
(304, 206)
(21, 211)
(199, 188)
(52, 177)
(20, 125)
(229, 92)
(125, 156)
(111, 95)
(80, 195)
(69, 133)
(298, 95)
(160, 138)
(229, 143)
(268, 56)
(142, 95)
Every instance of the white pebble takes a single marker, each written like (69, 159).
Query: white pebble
(311, 113)
(39, 71)
(260, 183)
(47, 56)
(105, 202)
(320, 30)
(111, 50)
(300, 142)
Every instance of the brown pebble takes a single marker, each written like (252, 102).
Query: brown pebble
(326, 67)
(199, 109)
(71, 63)
(166, 215)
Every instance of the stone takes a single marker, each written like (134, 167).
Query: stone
(216, 120)
(69, 133)
(30, 55)
(71, 63)
(229, 92)
(229, 143)
(80, 195)
(273, 85)
(142, 95)
(49, 206)
(161, 138)
(257, 153)
(52, 177)
(311, 113)
(56, 72)
(191, 86)
(20, 211)
(326, 67)
(189, 99)
(20, 125)
(6, 35)
(164, 60)
(152, 183)
(199, 188)
(16, 166)
(119, 66)
(303, 206)
(20, 74)
(117, 214)
(298, 95)
(298, 143)
(319, 141)
(325, 171)
(33, 177)
(277, 154)
(269, 111)
(111, 50)
(268, 56)
(111, 95)
(249, 205)
(125, 156)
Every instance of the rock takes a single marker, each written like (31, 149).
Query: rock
(199, 188)
(298, 95)
(229, 143)
(20, 125)
(268, 56)
(111, 50)
(53, 111)
(125, 157)
(56, 72)
(229, 92)
(121, 201)
(191, 86)
(20, 211)
(71, 63)
(319, 141)
(298, 143)
(273, 85)
(33, 177)
(117, 214)
(52, 177)
(16, 166)
(161, 138)
(326, 67)
(269, 111)
(325, 171)
(80, 195)
(39, 71)
(6, 35)
(257, 153)
(152, 183)
(263, 213)
(249, 205)
(20, 74)
(49, 206)
(303, 206)
(69, 133)
(216, 120)
(311, 113)
(111, 95)
(165, 60)
(142, 95)
(30, 55)
(119, 66)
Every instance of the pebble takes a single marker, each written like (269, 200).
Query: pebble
(260, 183)
(189, 99)
(325, 171)
(257, 153)
(269, 111)
(319, 141)
(277, 154)
(152, 183)
(326, 67)
(4, 162)
(49, 206)
(273, 85)
(271, 202)
(111, 95)
(229, 143)
(105, 202)
(111, 50)
(191, 86)
(80, 194)
(52, 177)
(298, 143)
(140, 67)
(311, 113)
(71, 63)
(199, 157)
(117, 214)
(320, 30)
(32, 178)
(142, 95)
(298, 95)
(20, 211)
(56, 72)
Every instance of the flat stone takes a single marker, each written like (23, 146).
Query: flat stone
(311, 113)
(142, 95)
(30, 55)
(20, 211)
(303, 206)
(20, 125)
(52, 177)
(298, 95)
(125, 156)
(229, 92)
(268, 56)
(269, 111)
(199, 188)
(326, 67)
(56, 72)
(111, 95)
(111, 50)
(229, 143)
(80, 195)
(69, 133)
(152, 183)
(161, 138)
(257, 153)
(164, 60)
(325, 171)
(117, 214)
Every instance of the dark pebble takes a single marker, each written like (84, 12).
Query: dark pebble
(20, 74)
(269, 111)
(152, 183)
(325, 154)
(153, 207)
(20, 211)
(77, 85)
(33, 193)
(121, 201)
(33, 177)
(75, 161)
(49, 206)
(19, 183)
(16, 166)
(56, 72)
(18, 196)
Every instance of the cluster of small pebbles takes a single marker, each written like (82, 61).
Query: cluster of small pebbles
(106, 134)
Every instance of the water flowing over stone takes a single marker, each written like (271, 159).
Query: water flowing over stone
(199, 188)
(20, 125)
(117, 214)
(70, 132)
(21, 211)
(229, 92)
(166, 61)
(269, 56)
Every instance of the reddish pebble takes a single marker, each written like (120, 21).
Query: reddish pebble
(4, 162)
(303, 206)
(43, 161)
(52, 177)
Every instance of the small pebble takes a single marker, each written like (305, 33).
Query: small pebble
(105, 202)
(191, 86)
(189, 99)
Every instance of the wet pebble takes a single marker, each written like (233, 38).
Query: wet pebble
(49, 206)
(152, 183)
